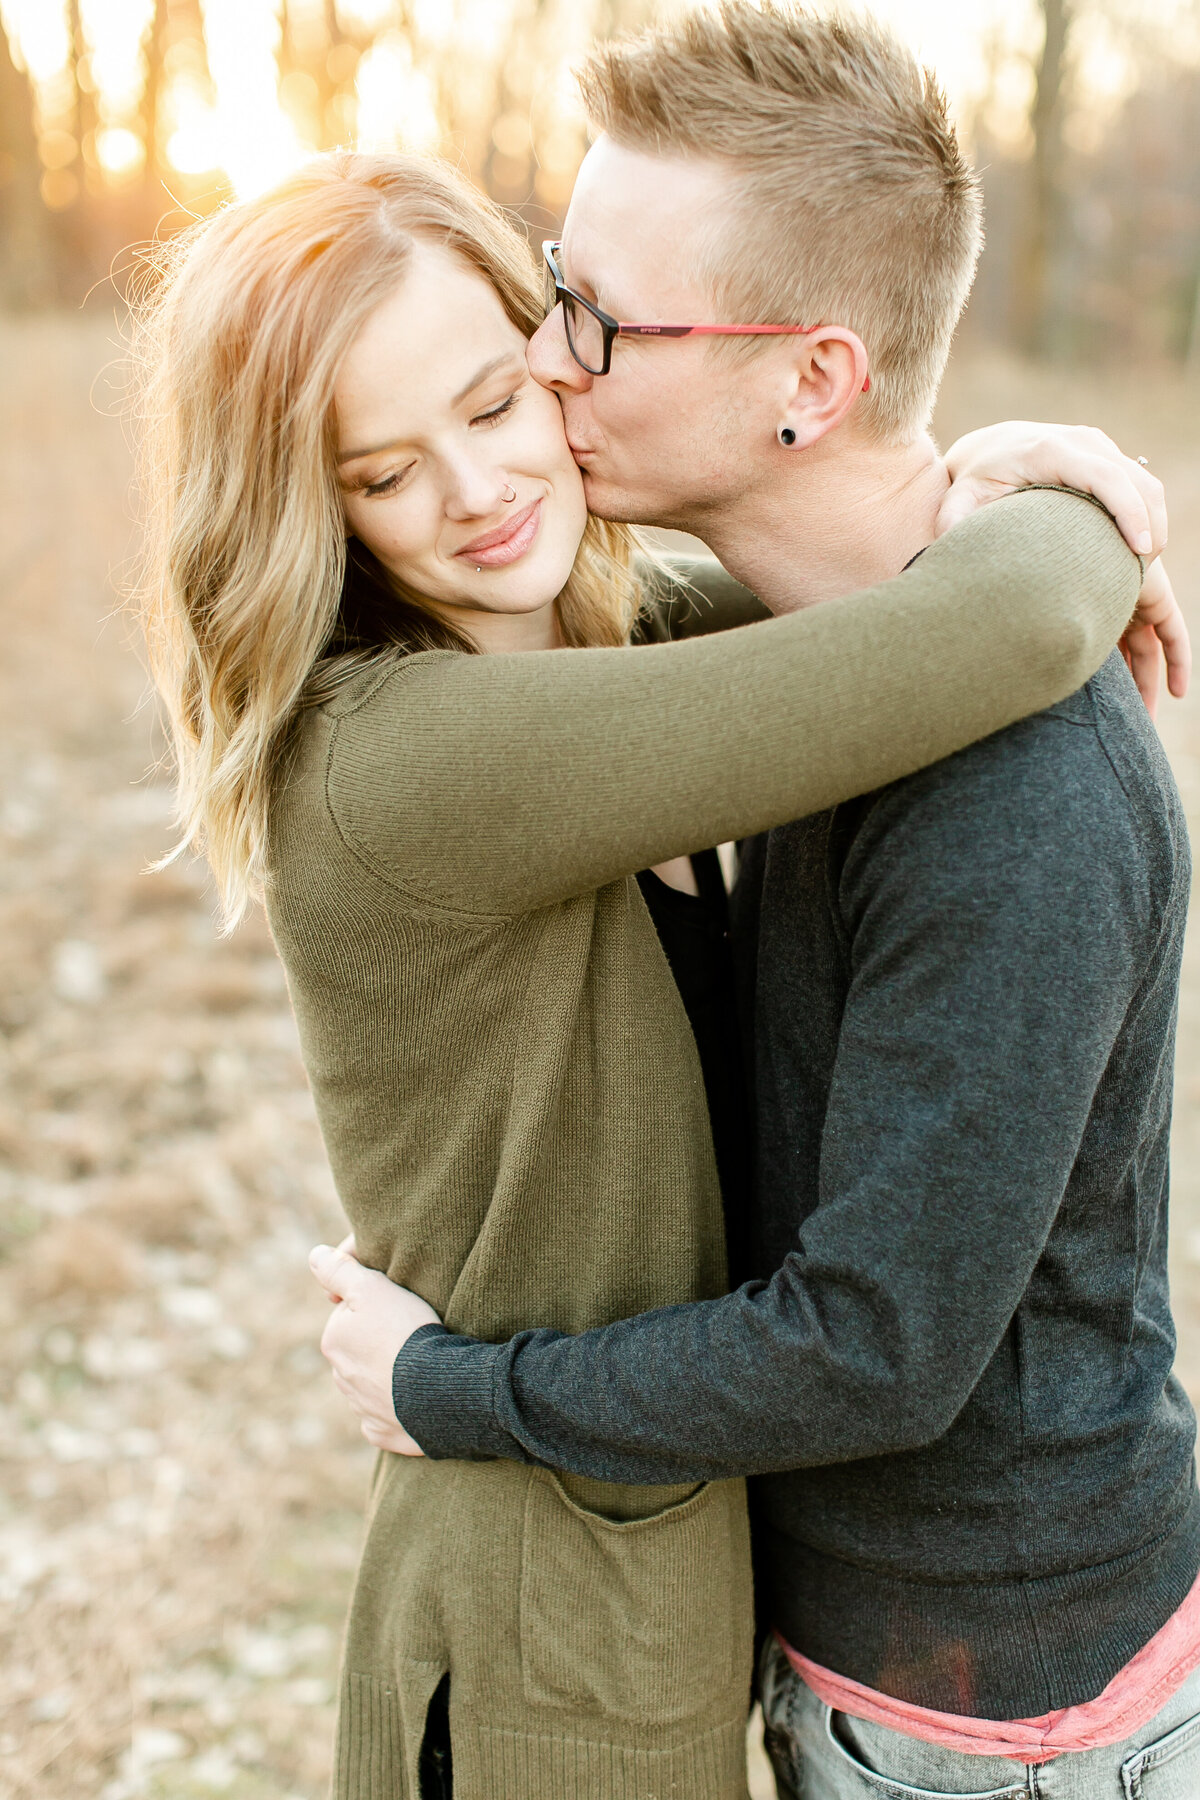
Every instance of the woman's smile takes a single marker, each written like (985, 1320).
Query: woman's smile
(509, 542)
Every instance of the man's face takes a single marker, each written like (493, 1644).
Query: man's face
(676, 428)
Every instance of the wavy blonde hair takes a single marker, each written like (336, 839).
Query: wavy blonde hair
(253, 602)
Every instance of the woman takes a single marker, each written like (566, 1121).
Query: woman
(356, 490)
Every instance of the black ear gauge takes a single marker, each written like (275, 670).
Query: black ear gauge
(787, 436)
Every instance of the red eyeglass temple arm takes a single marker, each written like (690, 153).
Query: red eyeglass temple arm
(715, 330)
(677, 331)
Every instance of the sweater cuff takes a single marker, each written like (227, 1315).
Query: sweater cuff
(442, 1395)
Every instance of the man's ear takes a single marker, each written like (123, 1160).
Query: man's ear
(826, 378)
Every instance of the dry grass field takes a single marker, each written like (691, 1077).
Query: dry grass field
(181, 1493)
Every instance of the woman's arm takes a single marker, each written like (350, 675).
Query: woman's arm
(694, 595)
(493, 785)
(999, 459)
(996, 459)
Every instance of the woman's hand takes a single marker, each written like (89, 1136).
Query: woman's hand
(372, 1320)
(1157, 629)
(985, 464)
(993, 461)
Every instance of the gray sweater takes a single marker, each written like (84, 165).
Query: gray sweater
(952, 1375)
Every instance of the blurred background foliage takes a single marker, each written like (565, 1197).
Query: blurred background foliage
(121, 118)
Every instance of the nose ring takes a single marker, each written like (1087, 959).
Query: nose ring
(511, 494)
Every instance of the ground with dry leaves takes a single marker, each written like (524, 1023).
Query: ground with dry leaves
(182, 1493)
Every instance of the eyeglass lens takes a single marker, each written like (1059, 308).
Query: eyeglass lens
(585, 334)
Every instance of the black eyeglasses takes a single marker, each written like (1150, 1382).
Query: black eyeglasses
(591, 331)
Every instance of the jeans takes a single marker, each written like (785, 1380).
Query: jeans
(819, 1754)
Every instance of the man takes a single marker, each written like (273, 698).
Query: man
(977, 1522)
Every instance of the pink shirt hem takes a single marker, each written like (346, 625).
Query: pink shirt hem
(1130, 1700)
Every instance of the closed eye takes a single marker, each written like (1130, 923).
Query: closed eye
(392, 482)
(388, 485)
(495, 413)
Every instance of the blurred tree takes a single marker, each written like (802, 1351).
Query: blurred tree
(1132, 237)
(1093, 224)
(510, 120)
(1091, 231)
(506, 171)
(155, 53)
(175, 54)
(1031, 289)
(84, 120)
(26, 229)
(73, 167)
(318, 58)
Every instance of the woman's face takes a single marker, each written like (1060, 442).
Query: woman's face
(437, 421)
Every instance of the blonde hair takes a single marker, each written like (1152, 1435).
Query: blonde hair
(253, 603)
(851, 202)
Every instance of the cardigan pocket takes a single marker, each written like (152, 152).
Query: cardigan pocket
(635, 1619)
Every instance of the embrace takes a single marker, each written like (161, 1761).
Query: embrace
(846, 1174)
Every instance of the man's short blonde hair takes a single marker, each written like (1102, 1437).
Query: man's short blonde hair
(851, 202)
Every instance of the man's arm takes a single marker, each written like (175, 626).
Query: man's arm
(998, 917)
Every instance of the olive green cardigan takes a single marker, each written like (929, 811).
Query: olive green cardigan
(513, 1107)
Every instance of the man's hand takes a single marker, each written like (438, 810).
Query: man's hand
(985, 464)
(372, 1319)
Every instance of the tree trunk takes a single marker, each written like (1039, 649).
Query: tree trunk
(1033, 305)
(156, 53)
(1191, 352)
(85, 91)
(27, 237)
(77, 221)
(315, 62)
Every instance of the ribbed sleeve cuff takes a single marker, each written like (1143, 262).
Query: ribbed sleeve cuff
(442, 1389)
